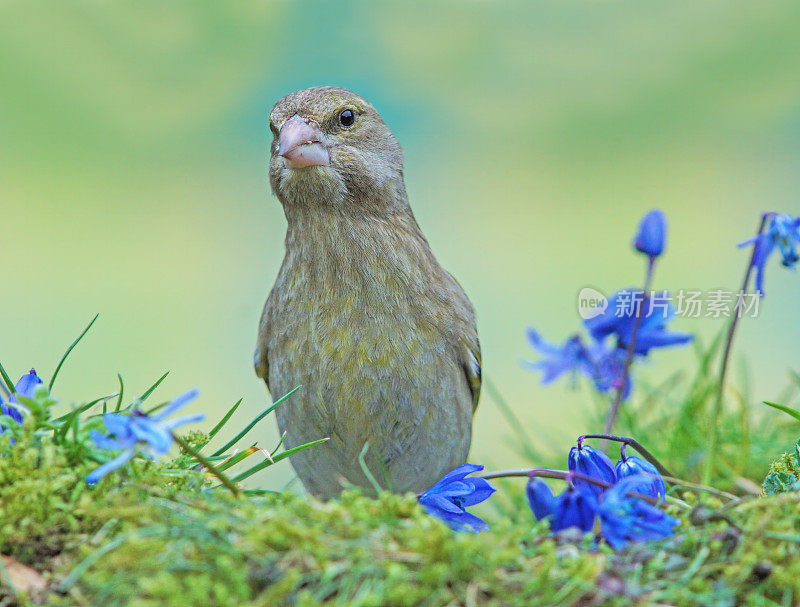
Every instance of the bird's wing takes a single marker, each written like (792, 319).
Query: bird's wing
(262, 364)
(472, 368)
(261, 356)
(471, 345)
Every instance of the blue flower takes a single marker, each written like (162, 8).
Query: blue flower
(619, 319)
(12, 412)
(652, 234)
(152, 432)
(594, 463)
(653, 332)
(625, 519)
(570, 357)
(540, 498)
(652, 483)
(25, 387)
(575, 507)
(605, 366)
(449, 497)
(782, 232)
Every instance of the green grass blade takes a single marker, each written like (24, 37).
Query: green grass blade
(7, 379)
(152, 388)
(268, 462)
(206, 463)
(211, 458)
(257, 419)
(121, 392)
(81, 409)
(241, 456)
(788, 410)
(260, 492)
(69, 350)
(367, 472)
(225, 419)
(278, 446)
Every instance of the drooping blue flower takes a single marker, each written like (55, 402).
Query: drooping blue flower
(540, 498)
(453, 493)
(652, 483)
(574, 507)
(26, 386)
(594, 463)
(625, 519)
(151, 432)
(782, 232)
(619, 319)
(571, 357)
(603, 365)
(12, 412)
(651, 236)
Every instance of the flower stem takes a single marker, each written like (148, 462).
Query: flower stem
(207, 464)
(613, 412)
(566, 475)
(713, 442)
(697, 488)
(625, 440)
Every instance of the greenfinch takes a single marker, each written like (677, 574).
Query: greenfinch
(381, 339)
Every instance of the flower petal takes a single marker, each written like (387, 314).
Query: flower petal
(119, 461)
(456, 474)
(480, 490)
(540, 498)
(26, 385)
(175, 404)
(182, 421)
(118, 424)
(105, 442)
(148, 431)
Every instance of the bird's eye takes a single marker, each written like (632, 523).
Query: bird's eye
(347, 117)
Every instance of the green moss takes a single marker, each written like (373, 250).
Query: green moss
(784, 473)
(156, 536)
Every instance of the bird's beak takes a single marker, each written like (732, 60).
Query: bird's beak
(303, 144)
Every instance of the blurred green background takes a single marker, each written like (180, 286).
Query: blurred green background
(133, 153)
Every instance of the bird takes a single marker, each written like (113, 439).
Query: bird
(381, 340)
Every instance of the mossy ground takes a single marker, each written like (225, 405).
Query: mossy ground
(154, 536)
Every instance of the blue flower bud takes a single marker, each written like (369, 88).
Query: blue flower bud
(651, 482)
(574, 508)
(594, 463)
(26, 385)
(540, 498)
(652, 233)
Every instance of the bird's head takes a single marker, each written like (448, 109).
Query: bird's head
(330, 146)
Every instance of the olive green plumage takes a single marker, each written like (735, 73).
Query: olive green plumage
(381, 338)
